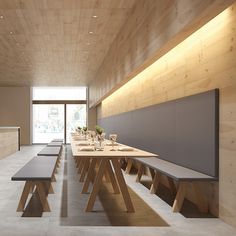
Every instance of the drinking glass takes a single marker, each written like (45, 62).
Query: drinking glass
(113, 138)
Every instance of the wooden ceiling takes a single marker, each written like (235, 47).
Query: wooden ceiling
(57, 42)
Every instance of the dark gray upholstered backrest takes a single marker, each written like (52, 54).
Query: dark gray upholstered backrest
(184, 131)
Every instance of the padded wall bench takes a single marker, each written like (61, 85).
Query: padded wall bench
(38, 175)
(182, 175)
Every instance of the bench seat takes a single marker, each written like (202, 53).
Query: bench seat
(174, 171)
(54, 144)
(50, 151)
(57, 140)
(181, 175)
(38, 168)
(38, 174)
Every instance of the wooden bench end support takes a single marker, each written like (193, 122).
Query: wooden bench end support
(24, 196)
(42, 196)
(201, 200)
(140, 172)
(155, 182)
(179, 199)
(129, 166)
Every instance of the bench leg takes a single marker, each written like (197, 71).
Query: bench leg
(171, 185)
(151, 172)
(201, 200)
(58, 163)
(179, 199)
(24, 196)
(155, 182)
(140, 172)
(129, 166)
(42, 196)
(53, 178)
(48, 187)
(32, 187)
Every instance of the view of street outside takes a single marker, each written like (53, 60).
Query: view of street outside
(48, 120)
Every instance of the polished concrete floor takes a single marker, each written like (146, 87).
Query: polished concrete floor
(63, 220)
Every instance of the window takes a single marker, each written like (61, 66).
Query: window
(59, 93)
(57, 112)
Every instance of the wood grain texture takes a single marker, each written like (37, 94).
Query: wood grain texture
(204, 61)
(48, 42)
(8, 142)
(152, 29)
(15, 108)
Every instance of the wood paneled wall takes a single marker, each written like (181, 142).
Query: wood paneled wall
(15, 103)
(8, 142)
(152, 29)
(205, 60)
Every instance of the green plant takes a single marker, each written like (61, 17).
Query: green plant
(79, 128)
(85, 128)
(99, 130)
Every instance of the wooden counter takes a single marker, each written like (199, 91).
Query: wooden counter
(9, 141)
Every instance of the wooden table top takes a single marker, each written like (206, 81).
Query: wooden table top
(107, 153)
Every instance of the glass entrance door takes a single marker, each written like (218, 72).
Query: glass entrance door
(48, 122)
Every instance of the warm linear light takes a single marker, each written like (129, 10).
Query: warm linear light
(11, 32)
(169, 61)
(91, 32)
(94, 16)
(1, 17)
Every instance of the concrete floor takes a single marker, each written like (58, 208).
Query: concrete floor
(56, 222)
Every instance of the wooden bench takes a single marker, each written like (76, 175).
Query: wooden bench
(38, 175)
(57, 140)
(181, 175)
(50, 151)
(54, 144)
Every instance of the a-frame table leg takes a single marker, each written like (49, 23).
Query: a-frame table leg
(122, 185)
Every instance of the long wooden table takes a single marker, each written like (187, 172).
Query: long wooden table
(108, 163)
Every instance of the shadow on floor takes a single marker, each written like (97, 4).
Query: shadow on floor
(189, 210)
(109, 208)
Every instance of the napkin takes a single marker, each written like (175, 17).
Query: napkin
(110, 144)
(125, 149)
(86, 148)
(83, 144)
(79, 138)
